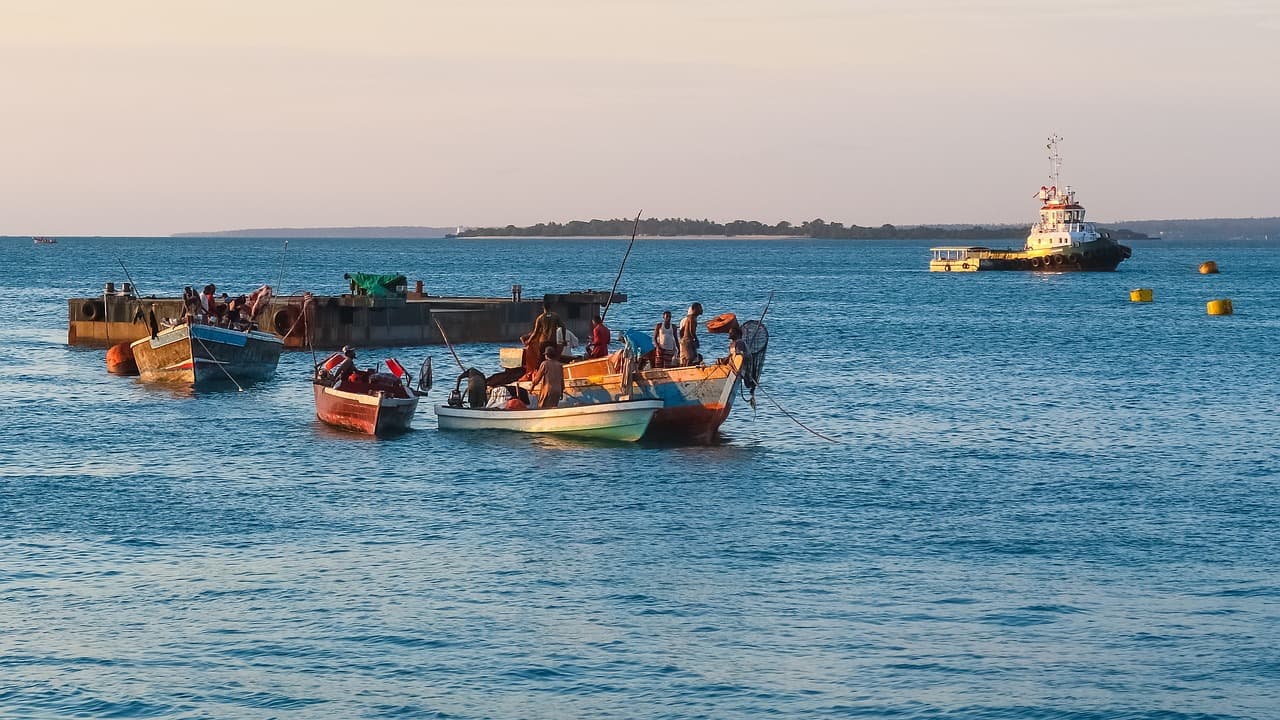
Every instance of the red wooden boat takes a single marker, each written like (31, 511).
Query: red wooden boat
(368, 401)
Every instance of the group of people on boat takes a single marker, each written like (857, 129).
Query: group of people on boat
(675, 345)
(237, 313)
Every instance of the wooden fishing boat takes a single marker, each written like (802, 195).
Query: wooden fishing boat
(624, 420)
(197, 354)
(373, 403)
(696, 398)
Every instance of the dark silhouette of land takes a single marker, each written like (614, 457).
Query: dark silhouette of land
(685, 227)
(1213, 229)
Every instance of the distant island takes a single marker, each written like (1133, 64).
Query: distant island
(398, 232)
(1214, 229)
(685, 227)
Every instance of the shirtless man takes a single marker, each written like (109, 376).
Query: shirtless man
(689, 336)
(550, 375)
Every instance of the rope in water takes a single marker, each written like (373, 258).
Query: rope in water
(795, 419)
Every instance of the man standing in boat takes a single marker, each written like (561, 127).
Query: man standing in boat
(600, 337)
(550, 375)
(664, 342)
(689, 336)
(548, 331)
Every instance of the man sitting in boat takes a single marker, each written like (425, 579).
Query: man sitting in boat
(550, 376)
(345, 369)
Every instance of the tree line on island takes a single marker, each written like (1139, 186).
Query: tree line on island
(685, 227)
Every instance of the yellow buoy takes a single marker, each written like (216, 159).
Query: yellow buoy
(1140, 295)
(1220, 307)
(1209, 267)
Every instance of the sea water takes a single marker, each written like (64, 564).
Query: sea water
(1043, 501)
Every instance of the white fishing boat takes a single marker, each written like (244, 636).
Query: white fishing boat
(624, 420)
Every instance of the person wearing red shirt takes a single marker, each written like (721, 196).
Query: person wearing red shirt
(600, 337)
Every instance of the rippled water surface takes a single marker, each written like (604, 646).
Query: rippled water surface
(1045, 502)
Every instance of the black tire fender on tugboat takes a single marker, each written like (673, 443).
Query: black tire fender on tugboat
(964, 266)
(89, 310)
(283, 320)
(1058, 260)
(1035, 262)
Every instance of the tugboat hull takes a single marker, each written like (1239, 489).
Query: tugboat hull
(1098, 256)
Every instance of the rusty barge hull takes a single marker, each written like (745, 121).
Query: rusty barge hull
(337, 320)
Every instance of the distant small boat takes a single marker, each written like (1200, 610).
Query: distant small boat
(44, 240)
(378, 404)
(624, 420)
(197, 354)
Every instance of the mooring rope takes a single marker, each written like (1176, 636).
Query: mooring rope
(215, 361)
(795, 419)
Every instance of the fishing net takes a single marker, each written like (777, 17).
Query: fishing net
(755, 337)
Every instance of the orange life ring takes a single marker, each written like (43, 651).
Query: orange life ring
(722, 323)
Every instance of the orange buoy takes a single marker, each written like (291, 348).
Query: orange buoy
(1220, 307)
(722, 323)
(120, 360)
(1208, 267)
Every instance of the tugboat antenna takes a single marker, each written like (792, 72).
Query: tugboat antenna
(1055, 159)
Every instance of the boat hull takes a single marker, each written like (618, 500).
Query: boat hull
(1095, 256)
(624, 421)
(372, 414)
(206, 355)
(696, 399)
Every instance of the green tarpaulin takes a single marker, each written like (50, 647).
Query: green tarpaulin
(378, 285)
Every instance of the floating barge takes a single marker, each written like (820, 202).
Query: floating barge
(331, 321)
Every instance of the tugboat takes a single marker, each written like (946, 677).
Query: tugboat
(1060, 242)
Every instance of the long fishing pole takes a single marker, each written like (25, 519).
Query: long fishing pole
(132, 284)
(280, 277)
(634, 229)
(449, 345)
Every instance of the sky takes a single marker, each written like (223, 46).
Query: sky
(150, 117)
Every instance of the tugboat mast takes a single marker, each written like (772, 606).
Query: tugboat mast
(1055, 159)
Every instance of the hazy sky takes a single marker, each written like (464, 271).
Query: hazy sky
(160, 116)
